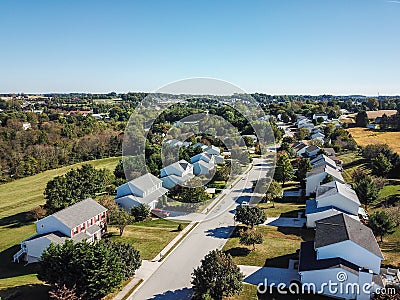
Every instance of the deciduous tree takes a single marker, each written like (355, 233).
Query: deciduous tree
(250, 215)
(217, 276)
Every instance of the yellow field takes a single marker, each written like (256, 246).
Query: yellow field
(364, 136)
(377, 113)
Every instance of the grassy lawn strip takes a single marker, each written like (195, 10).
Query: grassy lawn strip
(148, 237)
(285, 210)
(280, 244)
(132, 289)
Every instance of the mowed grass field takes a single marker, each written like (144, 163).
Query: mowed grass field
(17, 198)
(23, 194)
(280, 245)
(148, 237)
(365, 136)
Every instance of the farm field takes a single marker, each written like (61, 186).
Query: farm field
(365, 136)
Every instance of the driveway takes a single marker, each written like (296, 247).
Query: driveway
(256, 275)
(285, 222)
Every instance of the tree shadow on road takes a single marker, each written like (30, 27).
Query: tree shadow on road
(221, 232)
(181, 294)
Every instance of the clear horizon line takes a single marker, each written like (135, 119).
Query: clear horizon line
(254, 92)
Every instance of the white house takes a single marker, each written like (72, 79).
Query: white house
(344, 252)
(317, 175)
(215, 151)
(26, 125)
(201, 145)
(318, 136)
(300, 148)
(177, 143)
(176, 173)
(146, 189)
(83, 220)
(203, 163)
(320, 115)
(331, 199)
(311, 151)
(323, 160)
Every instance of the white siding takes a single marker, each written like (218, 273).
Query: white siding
(322, 277)
(312, 218)
(52, 224)
(351, 252)
(339, 201)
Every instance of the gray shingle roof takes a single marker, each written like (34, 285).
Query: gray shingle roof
(309, 261)
(335, 187)
(339, 228)
(145, 182)
(80, 212)
(328, 169)
(312, 148)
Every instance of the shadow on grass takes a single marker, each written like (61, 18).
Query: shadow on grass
(238, 251)
(388, 201)
(292, 213)
(15, 221)
(9, 269)
(26, 292)
(280, 261)
(307, 234)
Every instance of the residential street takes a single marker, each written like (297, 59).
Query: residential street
(172, 279)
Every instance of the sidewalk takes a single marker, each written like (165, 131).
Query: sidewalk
(148, 267)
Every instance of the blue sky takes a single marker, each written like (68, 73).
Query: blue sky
(275, 47)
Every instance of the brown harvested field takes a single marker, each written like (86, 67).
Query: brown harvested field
(365, 136)
(377, 113)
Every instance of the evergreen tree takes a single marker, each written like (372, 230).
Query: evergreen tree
(283, 169)
(93, 270)
(217, 277)
(381, 224)
(381, 165)
(366, 190)
(304, 167)
(362, 119)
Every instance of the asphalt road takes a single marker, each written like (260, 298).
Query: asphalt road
(172, 279)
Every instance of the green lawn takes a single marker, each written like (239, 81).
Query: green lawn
(352, 161)
(280, 244)
(23, 194)
(17, 198)
(277, 209)
(249, 293)
(391, 189)
(148, 237)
